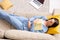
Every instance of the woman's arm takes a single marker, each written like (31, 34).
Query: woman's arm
(29, 24)
(38, 17)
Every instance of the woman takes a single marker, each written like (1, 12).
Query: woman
(34, 24)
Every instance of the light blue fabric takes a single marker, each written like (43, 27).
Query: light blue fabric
(20, 22)
(44, 27)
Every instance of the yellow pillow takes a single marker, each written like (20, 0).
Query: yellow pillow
(55, 30)
(5, 4)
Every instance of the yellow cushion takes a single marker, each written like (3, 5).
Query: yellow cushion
(55, 30)
(5, 4)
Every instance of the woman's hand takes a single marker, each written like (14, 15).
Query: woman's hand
(37, 21)
(29, 24)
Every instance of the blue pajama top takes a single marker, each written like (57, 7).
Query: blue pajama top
(43, 26)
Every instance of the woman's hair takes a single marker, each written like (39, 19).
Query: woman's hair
(55, 23)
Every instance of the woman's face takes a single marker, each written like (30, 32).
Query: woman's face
(50, 22)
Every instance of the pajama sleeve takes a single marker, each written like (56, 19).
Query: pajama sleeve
(40, 17)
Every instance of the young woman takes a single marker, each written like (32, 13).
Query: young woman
(34, 24)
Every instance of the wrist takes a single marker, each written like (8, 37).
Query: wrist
(29, 24)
